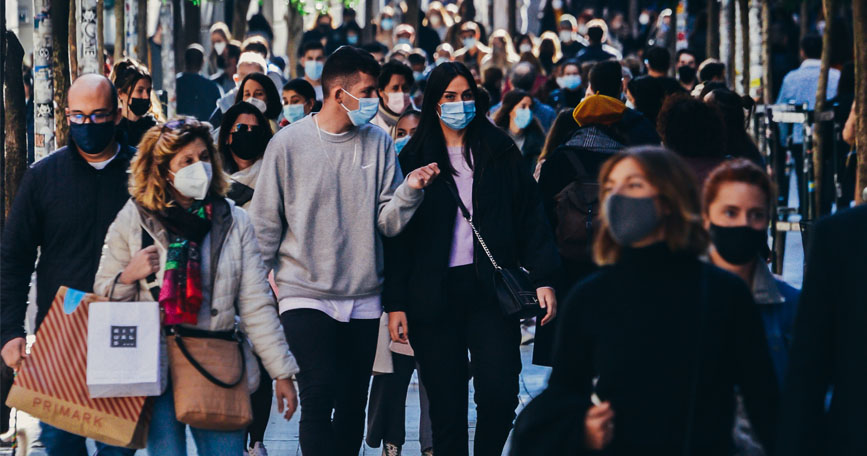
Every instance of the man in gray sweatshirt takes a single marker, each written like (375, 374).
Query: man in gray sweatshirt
(329, 187)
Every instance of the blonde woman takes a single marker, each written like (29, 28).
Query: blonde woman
(205, 257)
(548, 51)
(503, 55)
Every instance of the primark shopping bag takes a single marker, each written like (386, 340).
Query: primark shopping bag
(123, 350)
(51, 384)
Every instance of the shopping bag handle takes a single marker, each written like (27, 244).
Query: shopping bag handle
(222, 335)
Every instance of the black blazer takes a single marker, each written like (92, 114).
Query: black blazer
(829, 348)
(506, 210)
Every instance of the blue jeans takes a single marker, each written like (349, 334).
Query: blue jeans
(168, 437)
(59, 442)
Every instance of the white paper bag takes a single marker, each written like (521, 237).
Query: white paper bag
(123, 350)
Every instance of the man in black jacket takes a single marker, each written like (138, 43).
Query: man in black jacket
(62, 210)
(828, 349)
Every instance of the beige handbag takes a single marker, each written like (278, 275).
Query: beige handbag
(209, 378)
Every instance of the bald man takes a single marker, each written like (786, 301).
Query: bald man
(62, 210)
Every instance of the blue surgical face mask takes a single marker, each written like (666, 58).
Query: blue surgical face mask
(352, 39)
(387, 24)
(469, 42)
(367, 109)
(570, 82)
(458, 114)
(523, 116)
(399, 143)
(441, 60)
(313, 69)
(293, 112)
(404, 41)
(417, 75)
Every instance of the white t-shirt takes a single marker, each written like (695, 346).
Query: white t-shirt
(341, 310)
(318, 90)
(101, 165)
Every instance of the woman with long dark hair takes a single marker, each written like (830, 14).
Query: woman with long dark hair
(260, 91)
(516, 118)
(134, 84)
(439, 281)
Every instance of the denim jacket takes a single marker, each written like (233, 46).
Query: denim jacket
(778, 302)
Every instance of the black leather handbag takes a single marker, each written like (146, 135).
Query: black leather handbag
(515, 292)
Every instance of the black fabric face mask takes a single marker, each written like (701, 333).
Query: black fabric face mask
(139, 106)
(249, 145)
(92, 138)
(686, 74)
(738, 244)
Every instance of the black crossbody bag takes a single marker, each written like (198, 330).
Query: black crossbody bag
(515, 292)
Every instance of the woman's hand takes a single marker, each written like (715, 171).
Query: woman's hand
(397, 327)
(424, 176)
(284, 389)
(144, 263)
(599, 426)
(548, 301)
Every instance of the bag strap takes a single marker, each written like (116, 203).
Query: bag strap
(576, 163)
(702, 311)
(151, 280)
(469, 218)
(180, 341)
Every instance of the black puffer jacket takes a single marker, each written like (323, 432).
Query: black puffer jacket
(506, 210)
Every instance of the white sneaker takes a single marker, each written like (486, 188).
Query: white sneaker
(258, 450)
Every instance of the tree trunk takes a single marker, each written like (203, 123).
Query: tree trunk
(804, 17)
(513, 23)
(767, 76)
(168, 58)
(633, 18)
(72, 52)
(15, 153)
(712, 50)
(43, 79)
(192, 24)
(100, 35)
(731, 28)
(142, 31)
(60, 66)
(239, 19)
(411, 16)
(859, 20)
(119, 29)
(821, 95)
(744, 8)
(177, 30)
(295, 26)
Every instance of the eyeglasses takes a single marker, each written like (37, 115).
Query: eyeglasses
(96, 117)
(245, 127)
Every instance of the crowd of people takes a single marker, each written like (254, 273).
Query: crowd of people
(355, 220)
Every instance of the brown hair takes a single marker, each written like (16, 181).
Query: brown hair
(737, 170)
(678, 196)
(149, 170)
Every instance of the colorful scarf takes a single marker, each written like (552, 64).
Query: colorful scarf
(181, 292)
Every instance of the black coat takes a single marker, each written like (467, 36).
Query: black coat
(829, 348)
(662, 354)
(506, 210)
(63, 207)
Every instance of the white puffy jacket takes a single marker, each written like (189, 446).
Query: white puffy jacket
(237, 274)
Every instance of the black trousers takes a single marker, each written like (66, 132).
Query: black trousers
(7, 377)
(261, 401)
(473, 322)
(386, 410)
(335, 360)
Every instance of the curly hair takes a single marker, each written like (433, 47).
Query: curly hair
(149, 171)
(691, 127)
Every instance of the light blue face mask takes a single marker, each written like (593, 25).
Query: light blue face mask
(570, 82)
(441, 60)
(387, 24)
(523, 116)
(293, 112)
(313, 69)
(458, 114)
(469, 42)
(352, 39)
(399, 143)
(404, 41)
(417, 75)
(367, 109)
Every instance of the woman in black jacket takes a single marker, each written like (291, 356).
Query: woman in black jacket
(516, 119)
(650, 348)
(439, 282)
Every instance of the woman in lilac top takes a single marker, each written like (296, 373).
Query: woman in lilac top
(438, 281)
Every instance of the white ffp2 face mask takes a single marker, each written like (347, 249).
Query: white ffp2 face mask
(397, 101)
(193, 181)
(259, 104)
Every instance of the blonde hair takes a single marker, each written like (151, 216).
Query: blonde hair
(678, 195)
(149, 170)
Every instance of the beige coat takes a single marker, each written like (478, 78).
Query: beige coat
(239, 276)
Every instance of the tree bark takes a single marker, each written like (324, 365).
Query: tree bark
(239, 19)
(15, 153)
(859, 19)
(712, 50)
(513, 23)
(100, 35)
(177, 30)
(732, 39)
(804, 16)
(119, 30)
(295, 26)
(192, 24)
(73, 39)
(744, 8)
(411, 17)
(767, 76)
(60, 65)
(142, 21)
(821, 95)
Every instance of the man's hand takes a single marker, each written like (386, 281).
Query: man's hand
(284, 389)
(423, 176)
(144, 263)
(14, 352)
(398, 328)
(599, 426)
(548, 301)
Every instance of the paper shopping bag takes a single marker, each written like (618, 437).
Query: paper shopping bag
(123, 350)
(51, 383)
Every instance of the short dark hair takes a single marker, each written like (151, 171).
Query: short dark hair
(684, 51)
(258, 44)
(658, 58)
(523, 76)
(391, 68)
(417, 58)
(375, 48)
(344, 65)
(301, 87)
(606, 78)
(691, 127)
(595, 34)
(194, 58)
(233, 49)
(310, 45)
(273, 106)
(710, 69)
(812, 46)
